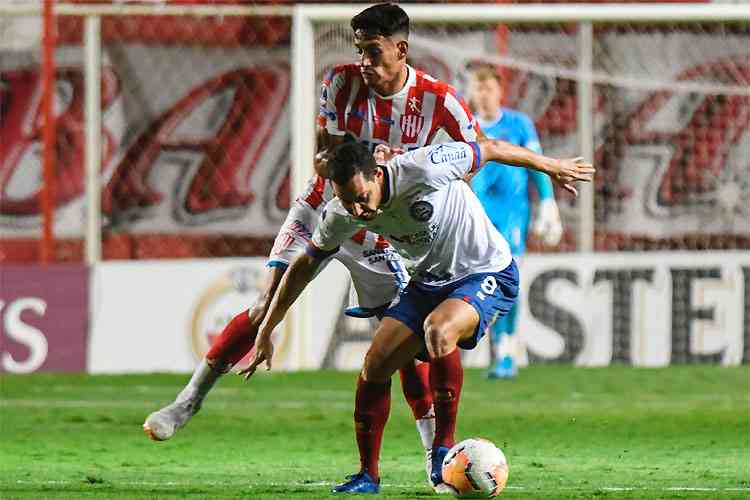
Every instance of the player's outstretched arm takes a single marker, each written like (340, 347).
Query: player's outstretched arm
(564, 172)
(296, 279)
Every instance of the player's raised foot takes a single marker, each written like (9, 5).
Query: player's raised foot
(504, 368)
(162, 425)
(360, 482)
(436, 473)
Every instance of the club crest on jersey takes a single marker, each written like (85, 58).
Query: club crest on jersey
(421, 210)
(411, 126)
(414, 105)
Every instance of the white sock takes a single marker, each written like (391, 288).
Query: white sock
(426, 428)
(203, 379)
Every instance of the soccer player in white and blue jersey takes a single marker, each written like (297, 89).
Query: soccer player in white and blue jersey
(504, 193)
(463, 274)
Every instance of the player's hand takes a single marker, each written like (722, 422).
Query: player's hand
(320, 164)
(547, 225)
(569, 171)
(384, 152)
(263, 352)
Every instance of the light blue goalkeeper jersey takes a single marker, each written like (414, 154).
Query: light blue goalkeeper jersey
(504, 190)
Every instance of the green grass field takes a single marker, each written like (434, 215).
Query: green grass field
(681, 432)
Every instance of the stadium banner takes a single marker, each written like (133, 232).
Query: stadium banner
(161, 316)
(209, 151)
(642, 309)
(196, 125)
(43, 318)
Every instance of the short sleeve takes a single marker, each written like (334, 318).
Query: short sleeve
(440, 164)
(334, 228)
(456, 118)
(330, 116)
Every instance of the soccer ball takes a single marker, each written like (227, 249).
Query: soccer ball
(475, 468)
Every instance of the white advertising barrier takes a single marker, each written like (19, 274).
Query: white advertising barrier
(643, 309)
(162, 315)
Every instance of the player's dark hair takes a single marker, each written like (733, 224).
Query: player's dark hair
(349, 159)
(384, 19)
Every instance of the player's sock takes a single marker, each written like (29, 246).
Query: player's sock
(415, 382)
(203, 379)
(512, 323)
(446, 380)
(234, 343)
(498, 334)
(372, 406)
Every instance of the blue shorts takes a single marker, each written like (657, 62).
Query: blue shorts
(490, 294)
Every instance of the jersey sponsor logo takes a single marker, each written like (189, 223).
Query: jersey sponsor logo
(425, 237)
(446, 154)
(421, 210)
(411, 126)
(382, 119)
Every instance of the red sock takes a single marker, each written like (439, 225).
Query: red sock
(235, 340)
(415, 382)
(446, 380)
(372, 406)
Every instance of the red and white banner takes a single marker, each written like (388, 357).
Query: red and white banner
(195, 147)
(196, 126)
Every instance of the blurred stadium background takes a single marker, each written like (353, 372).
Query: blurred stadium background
(149, 151)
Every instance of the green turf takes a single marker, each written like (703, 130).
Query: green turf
(609, 433)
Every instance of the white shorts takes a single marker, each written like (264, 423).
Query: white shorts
(376, 269)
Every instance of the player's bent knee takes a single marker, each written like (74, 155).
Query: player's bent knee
(438, 337)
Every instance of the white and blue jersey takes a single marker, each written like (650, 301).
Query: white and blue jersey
(503, 189)
(440, 229)
(429, 215)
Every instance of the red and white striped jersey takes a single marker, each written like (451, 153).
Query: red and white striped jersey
(411, 118)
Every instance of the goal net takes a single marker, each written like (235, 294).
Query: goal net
(671, 109)
(668, 128)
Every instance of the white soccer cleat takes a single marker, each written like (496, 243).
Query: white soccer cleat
(162, 425)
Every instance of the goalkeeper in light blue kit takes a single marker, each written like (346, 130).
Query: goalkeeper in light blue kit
(504, 194)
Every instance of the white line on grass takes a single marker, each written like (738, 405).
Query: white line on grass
(319, 484)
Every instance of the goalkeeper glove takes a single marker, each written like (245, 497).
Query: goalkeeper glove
(548, 226)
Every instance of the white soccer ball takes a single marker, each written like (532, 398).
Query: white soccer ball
(475, 468)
